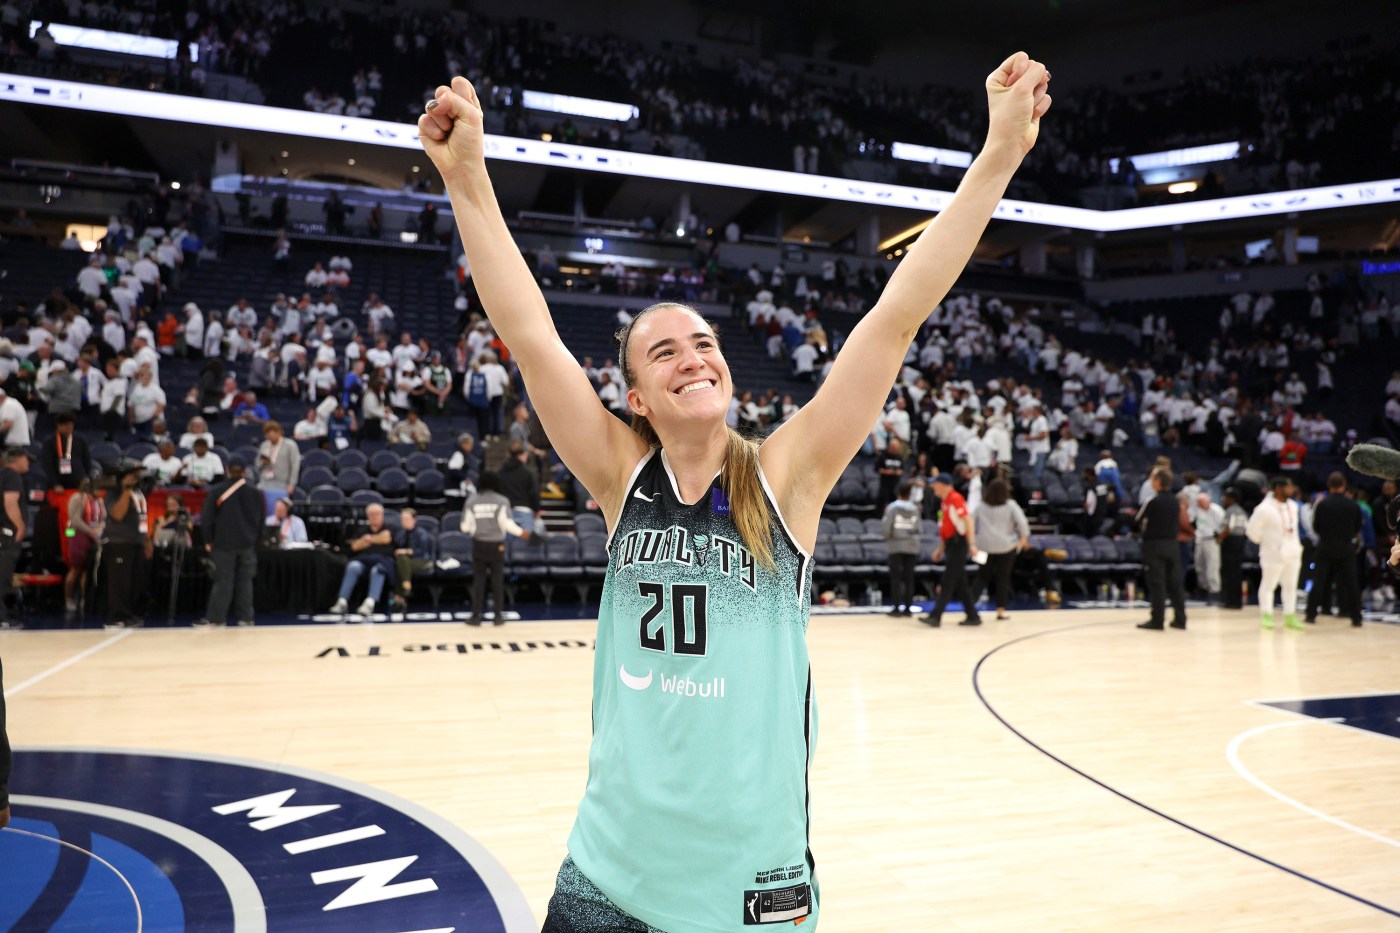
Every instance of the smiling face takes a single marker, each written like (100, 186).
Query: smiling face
(676, 372)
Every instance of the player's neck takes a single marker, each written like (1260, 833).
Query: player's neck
(694, 460)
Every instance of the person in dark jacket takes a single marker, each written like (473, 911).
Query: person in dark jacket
(1337, 523)
(1159, 521)
(373, 551)
(209, 391)
(519, 484)
(64, 456)
(232, 521)
(413, 553)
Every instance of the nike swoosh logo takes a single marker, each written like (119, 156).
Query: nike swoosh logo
(638, 494)
(636, 683)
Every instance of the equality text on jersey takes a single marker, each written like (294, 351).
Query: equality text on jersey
(677, 545)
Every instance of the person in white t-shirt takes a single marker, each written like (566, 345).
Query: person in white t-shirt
(497, 381)
(310, 427)
(804, 359)
(381, 316)
(322, 380)
(163, 464)
(379, 356)
(14, 421)
(146, 401)
(203, 466)
(1037, 439)
(408, 389)
(406, 351)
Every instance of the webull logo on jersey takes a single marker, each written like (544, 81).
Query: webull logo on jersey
(677, 686)
(686, 687)
(675, 545)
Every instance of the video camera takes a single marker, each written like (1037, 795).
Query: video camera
(114, 473)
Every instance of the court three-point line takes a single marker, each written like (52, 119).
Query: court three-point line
(1232, 752)
(43, 675)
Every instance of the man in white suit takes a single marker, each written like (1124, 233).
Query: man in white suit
(1274, 527)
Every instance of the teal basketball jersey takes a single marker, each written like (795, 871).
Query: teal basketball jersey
(695, 817)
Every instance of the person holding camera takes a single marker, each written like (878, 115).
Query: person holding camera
(126, 547)
(232, 521)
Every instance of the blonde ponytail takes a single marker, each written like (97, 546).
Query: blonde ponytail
(747, 504)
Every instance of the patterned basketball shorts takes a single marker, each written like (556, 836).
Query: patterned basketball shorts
(579, 907)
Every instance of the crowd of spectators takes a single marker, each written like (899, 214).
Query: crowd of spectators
(1287, 114)
(94, 353)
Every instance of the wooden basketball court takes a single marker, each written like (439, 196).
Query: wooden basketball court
(1176, 802)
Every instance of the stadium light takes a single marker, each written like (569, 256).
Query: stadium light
(229, 114)
(930, 154)
(578, 106)
(103, 41)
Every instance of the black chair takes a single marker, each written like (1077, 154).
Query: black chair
(351, 458)
(525, 564)
(590, 523)
(363, 497)
(564, 559)
(419, 461)
(383, 460)
(451, 546)
(105, 453)
(395, 486)
(315, 476)
(429, 490)
(352, 479)
(593, 554)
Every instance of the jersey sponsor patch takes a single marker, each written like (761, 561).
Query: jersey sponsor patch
(777, 905)
(719, 502)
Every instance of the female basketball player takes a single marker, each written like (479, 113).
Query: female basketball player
(695, 815)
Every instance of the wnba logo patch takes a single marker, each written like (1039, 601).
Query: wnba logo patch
(116, 841)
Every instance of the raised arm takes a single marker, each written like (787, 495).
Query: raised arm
(598, 448)
(804, 458)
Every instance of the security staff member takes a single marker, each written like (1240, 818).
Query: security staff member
(126, 547)
(487, 518)
(13, 465)
(232, 520)
(1232, 550)
(1337, 522)
(1159, 521)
